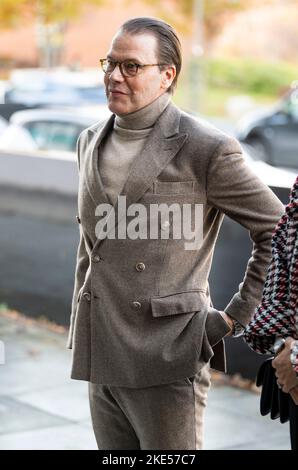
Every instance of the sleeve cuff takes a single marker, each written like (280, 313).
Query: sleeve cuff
(216, 326)
(238, 329)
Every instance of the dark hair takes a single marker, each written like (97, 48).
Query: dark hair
(168, 43)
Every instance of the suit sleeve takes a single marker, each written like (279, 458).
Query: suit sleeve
(234, 189)
(82, 264)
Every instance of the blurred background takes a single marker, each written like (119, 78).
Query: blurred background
(240, 72)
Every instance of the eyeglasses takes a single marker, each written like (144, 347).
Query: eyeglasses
(128, 68)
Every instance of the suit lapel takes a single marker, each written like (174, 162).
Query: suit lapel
(162, 145)
(92, 177)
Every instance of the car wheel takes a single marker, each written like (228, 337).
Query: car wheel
(258, 148)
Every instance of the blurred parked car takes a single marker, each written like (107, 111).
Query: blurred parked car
(49, 129)
(273, 134)
(53, 94)
(4, 85)
(38, 87)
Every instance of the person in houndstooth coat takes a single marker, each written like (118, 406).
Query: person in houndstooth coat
(277, 314)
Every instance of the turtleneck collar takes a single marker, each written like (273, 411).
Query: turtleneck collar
(143, 118)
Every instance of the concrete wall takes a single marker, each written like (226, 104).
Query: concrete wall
(53, 172)
(38, 240)
(38, 232)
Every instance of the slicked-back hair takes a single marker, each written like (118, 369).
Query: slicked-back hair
(168, 43)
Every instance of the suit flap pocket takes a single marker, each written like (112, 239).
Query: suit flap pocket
(182, 302)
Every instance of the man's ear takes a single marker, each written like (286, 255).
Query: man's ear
(168, 76)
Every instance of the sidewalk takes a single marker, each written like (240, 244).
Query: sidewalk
(42, 408)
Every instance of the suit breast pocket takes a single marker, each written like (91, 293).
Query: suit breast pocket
(173, 187)
(182, 192)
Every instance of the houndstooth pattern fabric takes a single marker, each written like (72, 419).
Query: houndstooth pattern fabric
(277, 313)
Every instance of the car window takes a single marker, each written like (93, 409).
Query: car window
(92, 94)
(56, 93)
(290, 107)
(50, 135)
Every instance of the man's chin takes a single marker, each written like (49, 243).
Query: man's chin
(118, 109)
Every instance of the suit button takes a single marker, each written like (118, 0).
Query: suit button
(96, 258)
(87, 296)
(140, 266)
(78, 219)
(165, 225)
(136, 305)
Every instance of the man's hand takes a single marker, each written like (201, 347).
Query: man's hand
(284, 371)
(229, 320)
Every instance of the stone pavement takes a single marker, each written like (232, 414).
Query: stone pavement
(42, 408)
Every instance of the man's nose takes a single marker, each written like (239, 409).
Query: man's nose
(116, 75)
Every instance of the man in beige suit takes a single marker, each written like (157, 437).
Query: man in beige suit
(143, 328)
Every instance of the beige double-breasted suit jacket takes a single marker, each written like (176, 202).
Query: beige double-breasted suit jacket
(138, 326)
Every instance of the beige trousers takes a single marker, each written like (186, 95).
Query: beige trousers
(168, 417)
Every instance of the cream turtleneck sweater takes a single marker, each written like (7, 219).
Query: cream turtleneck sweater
(125, 142)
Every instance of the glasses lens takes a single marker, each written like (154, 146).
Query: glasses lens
(107, 65)
(129, 68)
